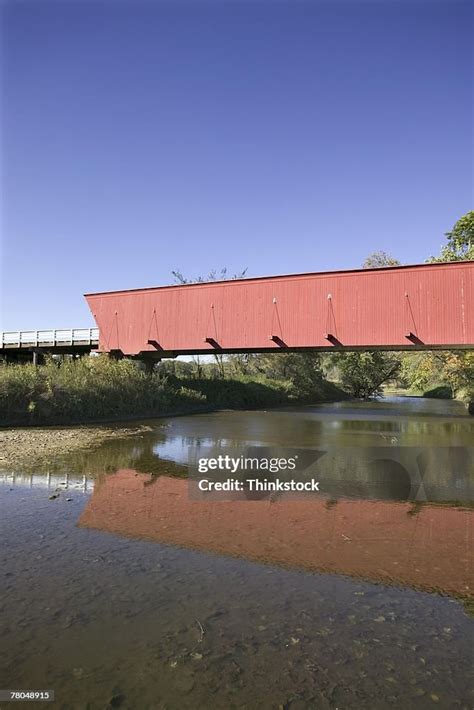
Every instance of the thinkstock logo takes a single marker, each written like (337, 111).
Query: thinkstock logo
(368, 472)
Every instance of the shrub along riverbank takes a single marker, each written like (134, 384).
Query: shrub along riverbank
(98, 389)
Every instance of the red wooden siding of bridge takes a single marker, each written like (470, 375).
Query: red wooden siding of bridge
(426, 306)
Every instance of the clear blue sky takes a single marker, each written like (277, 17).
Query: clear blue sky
(141, 137)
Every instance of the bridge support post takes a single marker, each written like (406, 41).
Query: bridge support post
(148, 364)
(116, 355)
(470, 407)
(38, 358)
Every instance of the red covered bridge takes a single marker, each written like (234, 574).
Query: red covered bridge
(427, 306)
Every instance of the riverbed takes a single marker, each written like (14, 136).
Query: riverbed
(121, 590)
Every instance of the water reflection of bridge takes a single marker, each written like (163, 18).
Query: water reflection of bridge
(414, 544)
(60, 481)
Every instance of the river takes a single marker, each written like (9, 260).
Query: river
(121, 590)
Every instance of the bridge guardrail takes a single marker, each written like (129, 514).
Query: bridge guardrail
(49, 338)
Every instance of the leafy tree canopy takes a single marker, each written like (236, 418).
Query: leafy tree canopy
(379, 259)
(460, 246)
(362, 374)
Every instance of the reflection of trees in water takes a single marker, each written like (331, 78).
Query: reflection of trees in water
(380, 473)
(115, 454)
(388, 480)
(371, 473)
(441, 474)
(408, 426)
(377, 479)
(366, 425)
(307, 428)
(216, 442)
(452, 467)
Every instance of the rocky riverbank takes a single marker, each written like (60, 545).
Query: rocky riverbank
(19, 448)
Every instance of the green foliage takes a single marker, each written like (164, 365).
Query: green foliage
(301, 370)
(102, 389)
(177, 368)
(460, 246)
(453, 369)
(302, 373)
(420, 370)
(458, 372)
(89, 389)
(246, 393)
(379, 259)
(439, 392)
(362, 374)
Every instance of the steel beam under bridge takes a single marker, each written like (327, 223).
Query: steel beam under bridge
(422, 307)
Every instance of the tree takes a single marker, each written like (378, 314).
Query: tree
(420, 370)
(302, 371)
(362, 374)
(212, 276)
(460, 246)
(429, 369)
(458, 371)
(379, 259)
(242, 363)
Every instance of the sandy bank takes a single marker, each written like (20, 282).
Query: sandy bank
(18, 447)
